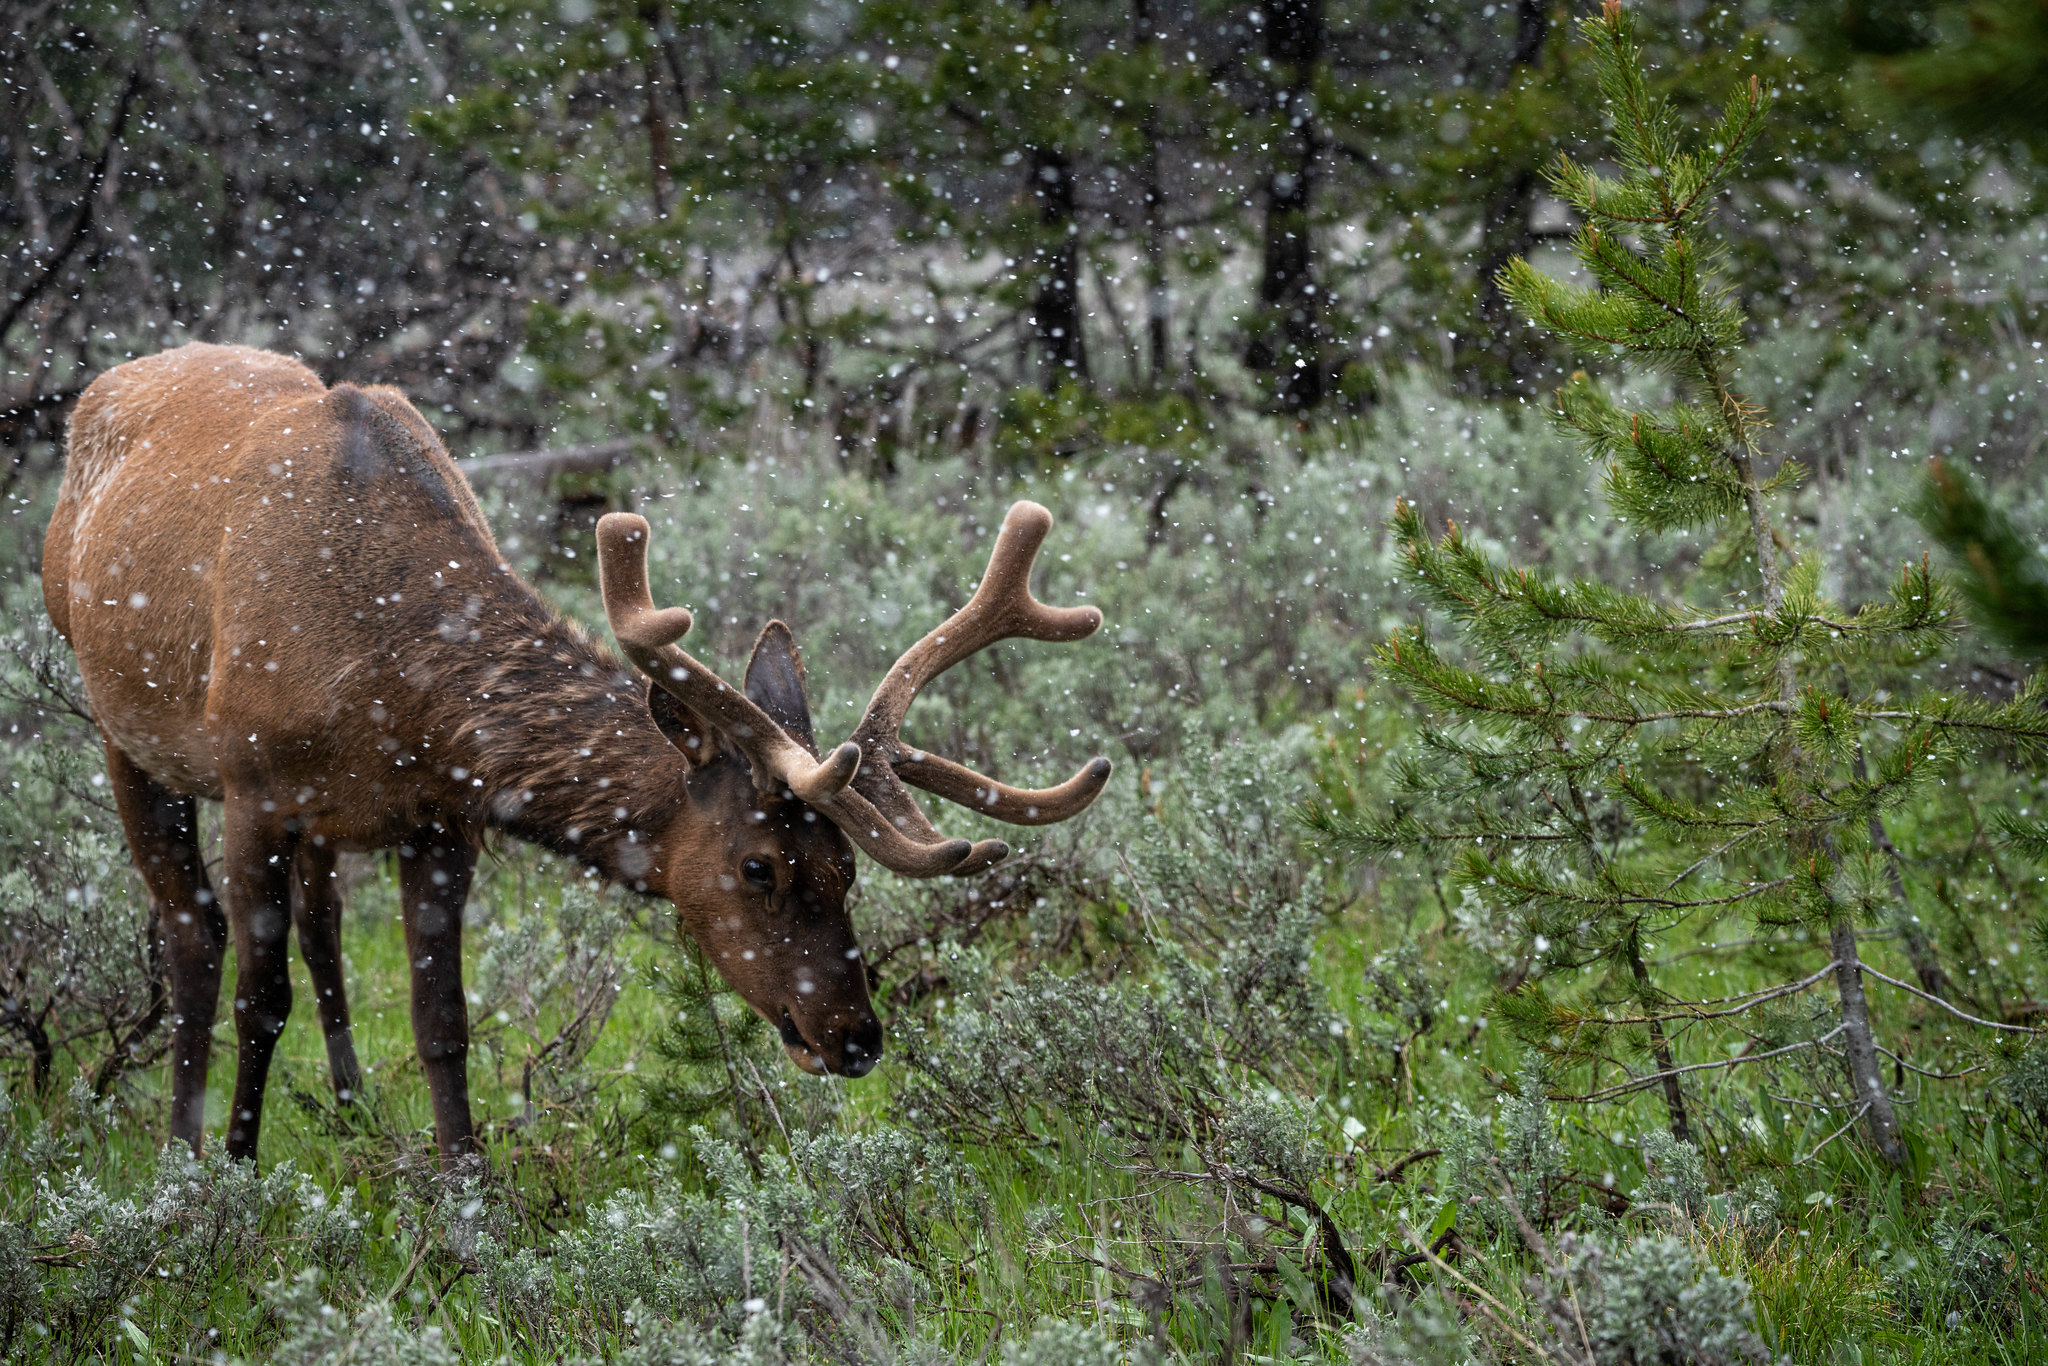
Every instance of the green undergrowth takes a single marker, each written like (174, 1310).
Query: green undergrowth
(1153, 1086)
(853, 1225)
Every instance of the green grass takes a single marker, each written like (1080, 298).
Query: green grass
(1055, 1216)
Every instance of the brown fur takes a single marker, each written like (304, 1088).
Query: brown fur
(284, 597)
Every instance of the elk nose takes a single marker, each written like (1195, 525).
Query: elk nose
(862, 1049)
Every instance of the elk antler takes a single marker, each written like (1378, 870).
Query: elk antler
(648, 634)
(859, 785)
(1002, 608)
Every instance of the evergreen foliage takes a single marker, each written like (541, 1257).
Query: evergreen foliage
(914, 228)
(1508, 1168)
(1977, 66)
(2004, 578)
(717, 1056)
(1614, 768)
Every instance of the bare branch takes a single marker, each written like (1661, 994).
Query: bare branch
(592, 459)
(48, 271)
(1935, 1076)
(1861, 1111)
(1759, 997)
(1643, 1083)
(1960, 1014)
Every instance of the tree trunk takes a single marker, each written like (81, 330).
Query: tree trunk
(1056, 308)
(16, 1018)
(1504, 229)
(657, 141)
(1532, 24)
(661, 49)
(1861, 1045)
(1158, 317)
(810, 346)
(1504, 235)
(1158, 320)
(1920, 951)
(1660, 1046)
(1287, 336)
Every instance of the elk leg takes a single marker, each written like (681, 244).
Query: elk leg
(256, 869)
(316, 912)
(434, 869)
(163, 838)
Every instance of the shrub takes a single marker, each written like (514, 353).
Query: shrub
(1653, 1302)
(1673, 1175)
(1225, 915)
(1972, 1270)
(663, 1342)
(21, 1283)
(2023, 1092)
(202, 1222)
(1053, 1343)
(330, 1230)
(1404, 999)
(1593, 1301)
(545, 985)
(1515, 1155)
(315, 1333)
(79, 979)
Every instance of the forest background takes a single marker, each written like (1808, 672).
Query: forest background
(1258, 1062)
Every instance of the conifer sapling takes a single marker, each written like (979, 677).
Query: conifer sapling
(1613, 767)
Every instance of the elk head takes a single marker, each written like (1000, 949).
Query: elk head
(764, 892)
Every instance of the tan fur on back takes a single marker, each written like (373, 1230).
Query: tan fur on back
(198, 484)
(124, 405)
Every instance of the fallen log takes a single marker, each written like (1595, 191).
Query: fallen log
(592, 459)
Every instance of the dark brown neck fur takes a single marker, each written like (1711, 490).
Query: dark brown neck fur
(552, 733)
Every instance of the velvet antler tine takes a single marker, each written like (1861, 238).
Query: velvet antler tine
(648, 634)
(1001, 608)
(986, 854)
(901, 842)
(832, 775)
(622, 582)
(1013, 805)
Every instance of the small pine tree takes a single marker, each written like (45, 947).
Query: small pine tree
(1615, 768)
(719, 1058)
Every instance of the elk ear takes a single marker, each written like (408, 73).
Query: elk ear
(684, 728)
(775, 684)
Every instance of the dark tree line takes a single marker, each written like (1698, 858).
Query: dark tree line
(1054, 226)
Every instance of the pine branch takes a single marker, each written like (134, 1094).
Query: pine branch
(1740, 1004)
(2005, 578)
(2028, 837)
(1369, 836)
(1644, 1083)
(2021, 723)
(1513, 885)
(1528, 608)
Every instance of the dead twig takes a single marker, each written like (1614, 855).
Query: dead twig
(1958, 1013)
(1393, 1173)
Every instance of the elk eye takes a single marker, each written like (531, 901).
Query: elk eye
(759, 873)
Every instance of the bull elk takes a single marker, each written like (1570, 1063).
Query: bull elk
(283, 597)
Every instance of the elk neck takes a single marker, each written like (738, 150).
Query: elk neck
(548, 737)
